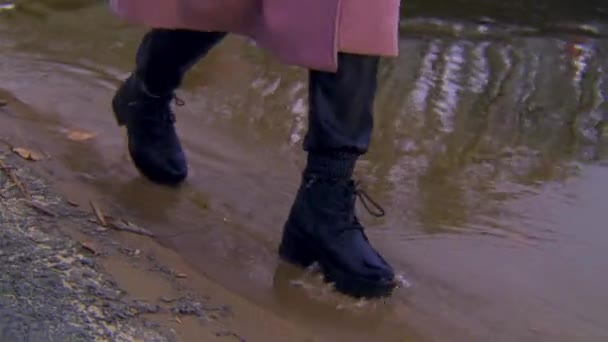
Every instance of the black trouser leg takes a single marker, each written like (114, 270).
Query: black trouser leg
(165, 55)
(142, 103)
(322, 226)
(341, 115)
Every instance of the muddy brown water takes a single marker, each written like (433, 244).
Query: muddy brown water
(489, 155)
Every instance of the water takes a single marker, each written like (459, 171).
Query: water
(489, 155)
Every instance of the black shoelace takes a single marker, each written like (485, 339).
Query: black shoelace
(372, 207)
(166, 114)
(178, 102)
(158, 103)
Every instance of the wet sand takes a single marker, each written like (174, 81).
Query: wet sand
(65, 276)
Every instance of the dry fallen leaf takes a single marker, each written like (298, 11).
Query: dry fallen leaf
(77, 135)
(88, 245)
(28, 154)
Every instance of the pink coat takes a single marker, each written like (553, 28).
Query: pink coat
(308, 33)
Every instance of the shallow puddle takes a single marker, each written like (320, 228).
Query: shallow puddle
(489, 155)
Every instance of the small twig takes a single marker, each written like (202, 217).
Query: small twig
(98, 214)
(110, 222)
(39, 207)
(129, 227)
(11, 174)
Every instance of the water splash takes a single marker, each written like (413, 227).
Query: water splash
(299, 110)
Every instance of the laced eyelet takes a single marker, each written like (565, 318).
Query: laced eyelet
(178, 101)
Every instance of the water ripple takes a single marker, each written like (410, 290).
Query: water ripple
(450, 86)
(426, 78)
(480, 68)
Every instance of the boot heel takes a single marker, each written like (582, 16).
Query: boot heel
(119, 116)
(119, 103)
(296, 250)
(121, 119)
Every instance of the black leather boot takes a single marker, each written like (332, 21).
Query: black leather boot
(153, 143)
(322, 226)
(142, 103)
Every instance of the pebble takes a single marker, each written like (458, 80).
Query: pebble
(107, 294)
(62, 266)
(144, 307)
(167, 299)
(54, 260)
(90, 285)
(87, 262)
(88, 274)
(187, 307)
(151, 325)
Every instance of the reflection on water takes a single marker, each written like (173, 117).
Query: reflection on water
(521, 122)
(489, 152)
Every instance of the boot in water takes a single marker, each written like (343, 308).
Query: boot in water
(153, 143)
(142, 104)
(322, 227)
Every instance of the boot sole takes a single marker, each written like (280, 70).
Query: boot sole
(120, 117)
(296, 251)
(121, 121)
